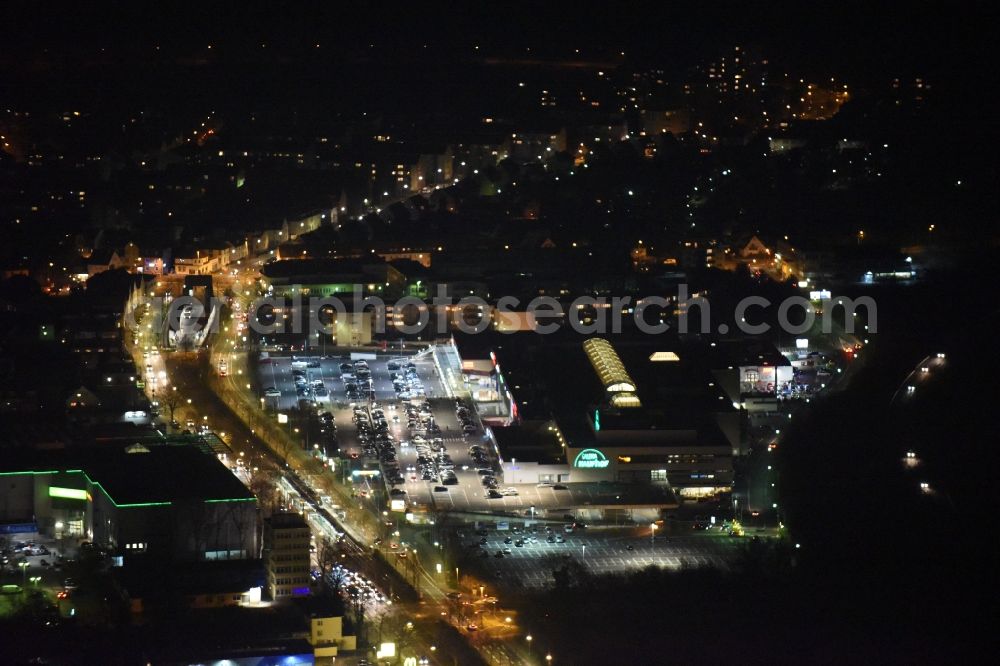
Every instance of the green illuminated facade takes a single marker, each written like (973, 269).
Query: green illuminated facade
(176, 501)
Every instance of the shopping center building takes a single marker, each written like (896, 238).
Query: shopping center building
(138, 501)
(638, 411)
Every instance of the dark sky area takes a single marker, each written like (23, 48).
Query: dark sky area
(405, 58)
(849, 39)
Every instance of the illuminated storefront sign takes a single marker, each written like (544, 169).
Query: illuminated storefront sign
(591, 458)
(67, 493)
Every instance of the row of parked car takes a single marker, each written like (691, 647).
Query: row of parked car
(328, 432)
(377, 442)
(424, 437)
(420, 420)
(464, 415)
(429, 457)
(306, 388)
(358, 384)
(405, 380)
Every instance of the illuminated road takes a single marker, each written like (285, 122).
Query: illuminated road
(921, 373)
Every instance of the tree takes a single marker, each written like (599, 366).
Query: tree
(262, 486)
(21, 290)
(336, 580)
(357, 616)
(326, 554)
(172, 400)
(283, 445)
(568, 573)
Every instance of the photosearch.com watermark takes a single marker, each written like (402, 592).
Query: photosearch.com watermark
(683, 311)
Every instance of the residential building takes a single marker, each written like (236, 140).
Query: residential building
(287, 542)
(329, 633)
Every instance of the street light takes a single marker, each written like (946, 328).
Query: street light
(652, 532)
(548, 659)
(528, 638)
(24, 571)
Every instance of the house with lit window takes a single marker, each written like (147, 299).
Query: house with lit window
(330, 632)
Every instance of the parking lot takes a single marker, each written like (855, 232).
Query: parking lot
(442, 469)
(375, 425)
(36, 562)
(277, 381)
(599, 551)
(431, 449)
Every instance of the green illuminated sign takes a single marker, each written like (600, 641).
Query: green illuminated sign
(591, 458)
(67, 493)
(597, 420)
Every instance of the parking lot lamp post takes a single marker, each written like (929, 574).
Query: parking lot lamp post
(24, 572)
(59, 535)
(652, 532)
(528, 638)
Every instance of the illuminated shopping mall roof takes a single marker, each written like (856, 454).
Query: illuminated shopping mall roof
(611, 371)
(625, 400)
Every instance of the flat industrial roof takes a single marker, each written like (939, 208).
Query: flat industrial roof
(530, 442)
(288, 520)
(159, 475)
(553, 375)
(321, 270)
